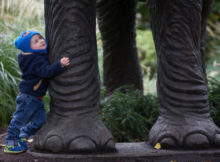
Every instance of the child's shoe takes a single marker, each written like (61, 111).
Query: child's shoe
(14, 148)
(23, 142)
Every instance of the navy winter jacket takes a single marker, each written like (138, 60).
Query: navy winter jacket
(36, 70)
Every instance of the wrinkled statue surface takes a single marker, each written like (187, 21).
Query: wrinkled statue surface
(179, 30)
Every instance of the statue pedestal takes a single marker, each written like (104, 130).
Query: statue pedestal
(138, 152)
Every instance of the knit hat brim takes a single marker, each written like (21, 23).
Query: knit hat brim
(23, 42)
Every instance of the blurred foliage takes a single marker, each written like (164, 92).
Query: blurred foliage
(19, 15)
(100, 54)
(9, 78)
(146, 52)
(213, 32)
(142, 16)
(215, 10)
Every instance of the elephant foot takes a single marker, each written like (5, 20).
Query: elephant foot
(190, 133)
(78, 135)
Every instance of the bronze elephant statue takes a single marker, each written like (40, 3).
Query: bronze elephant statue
(179, 31)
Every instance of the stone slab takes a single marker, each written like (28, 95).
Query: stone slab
(138, 152)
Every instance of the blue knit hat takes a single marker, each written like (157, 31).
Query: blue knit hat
(23, 42)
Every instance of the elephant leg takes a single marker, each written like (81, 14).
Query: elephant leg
(73, 123)
(179, 34)
(116, 21)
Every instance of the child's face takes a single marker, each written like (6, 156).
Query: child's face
(38, 42)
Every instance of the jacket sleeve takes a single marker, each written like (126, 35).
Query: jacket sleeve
(43, 69)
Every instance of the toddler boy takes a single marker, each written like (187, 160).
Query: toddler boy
(30, 113)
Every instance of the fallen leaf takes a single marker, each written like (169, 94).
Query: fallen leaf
(157, 146)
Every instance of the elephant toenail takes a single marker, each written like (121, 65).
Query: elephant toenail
(197, 141)
(217, 140)
(168, 142)
(82, 144)
(54, 144)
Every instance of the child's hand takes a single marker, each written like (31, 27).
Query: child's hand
(65, 61)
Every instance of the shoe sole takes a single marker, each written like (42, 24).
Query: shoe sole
(13, 152)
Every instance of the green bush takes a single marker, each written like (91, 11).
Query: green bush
(129, 116)
(9, 77)
(214, 99)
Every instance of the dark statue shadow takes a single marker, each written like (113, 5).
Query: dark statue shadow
(179, 30)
